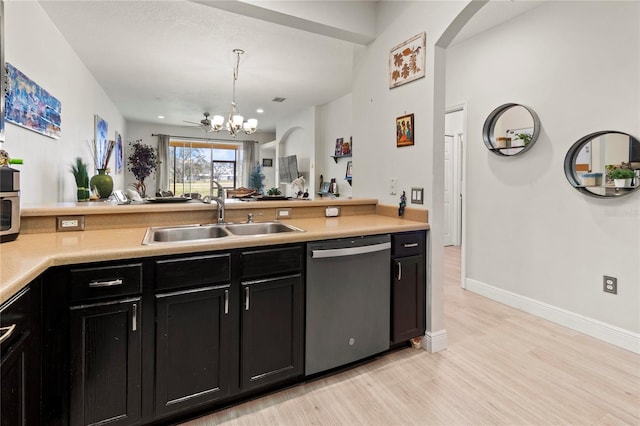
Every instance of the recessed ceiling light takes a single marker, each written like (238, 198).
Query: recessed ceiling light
(161, 117)
(259, 110)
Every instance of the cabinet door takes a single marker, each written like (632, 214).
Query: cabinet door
(193, 344)
(272, 323)
(407, 299)
(105, 363)
(20, 360)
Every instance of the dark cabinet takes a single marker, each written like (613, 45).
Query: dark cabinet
(408, 286)
(272, 318)
(272, 321)
(20, 358)
(194, 326)
(105, 363)
(105, 335)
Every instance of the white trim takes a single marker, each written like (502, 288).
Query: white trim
(617, 336)
(435, 341)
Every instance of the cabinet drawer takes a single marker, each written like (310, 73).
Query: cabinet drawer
(407, 244)
(260, 263)
(193, 271)
(15, 318)
(105, 282)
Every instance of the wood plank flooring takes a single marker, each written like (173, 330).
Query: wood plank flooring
(502, 367)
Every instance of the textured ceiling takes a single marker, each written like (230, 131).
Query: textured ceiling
(174, 58)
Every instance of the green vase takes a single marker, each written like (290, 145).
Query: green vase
(103, 183)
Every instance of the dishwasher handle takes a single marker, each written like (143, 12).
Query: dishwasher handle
(349, 251)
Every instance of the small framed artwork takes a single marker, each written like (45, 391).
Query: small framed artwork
(407, 61)
(101, 138)
(339, 147)
(348, 173)
(119, 153)
(267, 162)
(405, 132)
(325, 187)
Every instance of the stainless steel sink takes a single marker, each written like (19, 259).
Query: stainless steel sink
(260, 228)
(193, 233)
(176, 234)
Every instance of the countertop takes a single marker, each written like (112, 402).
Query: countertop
(30, 255)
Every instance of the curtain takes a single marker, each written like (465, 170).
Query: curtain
(162, 173)
(248, 161)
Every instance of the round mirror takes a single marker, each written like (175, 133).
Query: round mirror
(511, 129)
(604, 164)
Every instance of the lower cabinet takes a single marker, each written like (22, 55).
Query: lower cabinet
(408, 286)
(105, 363)
(20, 358)
(193, 346)
(272, 323)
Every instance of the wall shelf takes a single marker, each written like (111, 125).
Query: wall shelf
(335, 157)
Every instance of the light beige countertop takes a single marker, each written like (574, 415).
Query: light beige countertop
(31, 254)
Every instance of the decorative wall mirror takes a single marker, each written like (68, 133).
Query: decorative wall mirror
(604, 164)
(511, 129)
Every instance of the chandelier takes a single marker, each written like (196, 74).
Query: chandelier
(235, 123)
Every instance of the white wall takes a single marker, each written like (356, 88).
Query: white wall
(375, 108)
(36, 47)
(297, 136)
(335, 121)
(531, 237)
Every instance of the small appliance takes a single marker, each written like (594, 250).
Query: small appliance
(9, 204)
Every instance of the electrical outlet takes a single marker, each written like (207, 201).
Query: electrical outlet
(610, 284)
(69, 223)
(394, 185)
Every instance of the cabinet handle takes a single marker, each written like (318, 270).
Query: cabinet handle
(134, 319)
(246, 298)
(410, 245)
(226, 302)
(110, 283)
(7, 331)
(399, 271)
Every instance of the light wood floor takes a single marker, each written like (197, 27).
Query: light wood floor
(502, 366)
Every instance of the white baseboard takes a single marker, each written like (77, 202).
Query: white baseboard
(435, 341)
(600, 330)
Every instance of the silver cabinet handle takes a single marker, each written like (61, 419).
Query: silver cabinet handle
(246, 298)
(399, 271)
(349, 251)
(410, 245)
(110, 283)
(7, 331)
(226, 302)
(134, 318)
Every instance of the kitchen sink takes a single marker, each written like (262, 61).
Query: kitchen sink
(176, 234)
(260, 228)
(191, 233)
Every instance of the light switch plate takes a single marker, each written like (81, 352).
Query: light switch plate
(417, 195)
(283, 213)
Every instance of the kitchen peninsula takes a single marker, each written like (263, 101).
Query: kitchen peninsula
(106, 306)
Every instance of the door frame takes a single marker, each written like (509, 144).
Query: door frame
(462, 168)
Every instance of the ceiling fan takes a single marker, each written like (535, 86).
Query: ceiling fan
(204, 124)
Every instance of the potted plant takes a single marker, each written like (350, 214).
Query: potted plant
(621, 177)
(79, 170)
(142, 162)
(525, 137)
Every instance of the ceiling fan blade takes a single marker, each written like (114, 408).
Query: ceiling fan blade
(192, 122)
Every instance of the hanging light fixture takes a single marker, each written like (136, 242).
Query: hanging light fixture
(235, 123)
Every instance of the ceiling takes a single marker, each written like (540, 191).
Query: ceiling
(174, 58)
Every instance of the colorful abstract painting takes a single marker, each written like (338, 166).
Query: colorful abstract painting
(101, 139)
(30, 106)
(119, 153)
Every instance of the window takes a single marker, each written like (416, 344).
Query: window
(193, 163)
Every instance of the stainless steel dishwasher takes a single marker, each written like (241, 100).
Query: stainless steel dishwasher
(347, 301)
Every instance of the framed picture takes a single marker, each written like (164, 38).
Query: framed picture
(325, 187)
(348, 173)
(267, 162)
(407, 61)
(30, 106)
(339, 147)
(405, 131)
(119, 150)
(101, 128)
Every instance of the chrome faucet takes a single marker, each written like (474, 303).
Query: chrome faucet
(219, 199)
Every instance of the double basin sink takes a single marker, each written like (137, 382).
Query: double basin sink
(191, 233)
